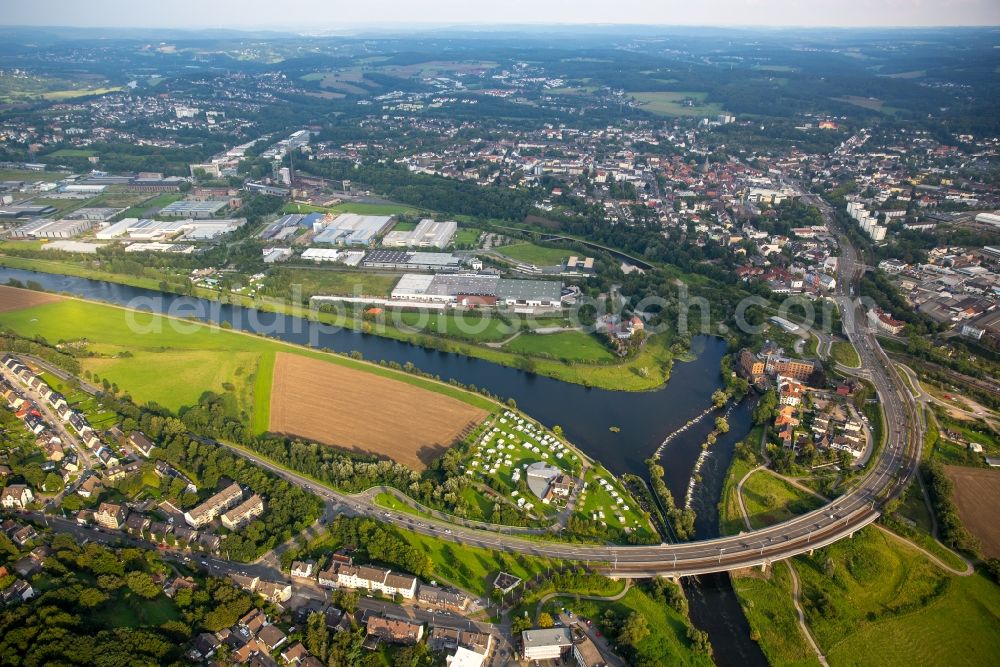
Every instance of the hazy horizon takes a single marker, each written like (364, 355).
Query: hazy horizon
(316, 16)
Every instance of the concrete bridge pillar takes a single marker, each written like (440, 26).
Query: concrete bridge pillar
(763, 566)
(810, 552)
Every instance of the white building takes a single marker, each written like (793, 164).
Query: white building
(16, 496)
(547, 644)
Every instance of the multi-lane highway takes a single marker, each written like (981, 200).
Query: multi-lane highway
(888, 475)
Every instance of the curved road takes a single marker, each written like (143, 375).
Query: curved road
(888, 476)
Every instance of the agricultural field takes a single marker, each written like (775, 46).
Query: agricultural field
(606, 502)
(571, 345)
(529, 253)
(500, 455)
(22, 87)
(199, 357)
(684, 103)
(977, 495)
(12, 299)
(348, 408)
(189, 372)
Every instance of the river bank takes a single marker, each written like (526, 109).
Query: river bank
(647, 370)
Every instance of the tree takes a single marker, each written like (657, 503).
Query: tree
(91, 597)
(721, 425)
(764, 411)
(53, 483)
(317, 635)
(142, 585)
(634, 630)
(719, 398)
(519, 624)
(699, 641)
(545, 620)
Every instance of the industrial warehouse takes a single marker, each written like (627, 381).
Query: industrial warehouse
(348, 228)
(466, 290)
(427, 234)
(161, 230)
(402, 260)
(51, 229)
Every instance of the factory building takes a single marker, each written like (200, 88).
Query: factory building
(160, 230)
(51, 229)
(427, 234)
(478, 290)
(348, 228)
(194, 209)
(402, 260)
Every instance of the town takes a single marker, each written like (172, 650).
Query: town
(605, 346)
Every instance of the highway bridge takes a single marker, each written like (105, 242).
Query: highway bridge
(890, 471)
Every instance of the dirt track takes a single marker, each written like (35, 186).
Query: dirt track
(977, 494)
(13, 298)
(360, 411)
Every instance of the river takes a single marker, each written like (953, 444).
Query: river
(643, 419)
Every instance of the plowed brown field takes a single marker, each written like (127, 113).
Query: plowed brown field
(364, 412)
(13, 298)
(977, 494)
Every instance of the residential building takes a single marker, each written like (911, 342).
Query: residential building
(141, 444)
(244, 512)
(442, 598)
(394, 630)
(303, 569)
(111, 516)
(587, 654)
(16, 496)
(207, 511)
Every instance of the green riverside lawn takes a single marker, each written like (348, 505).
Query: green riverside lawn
(648, 369)
(869, 600)
(667, 642)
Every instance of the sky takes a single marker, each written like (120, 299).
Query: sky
(338, 15)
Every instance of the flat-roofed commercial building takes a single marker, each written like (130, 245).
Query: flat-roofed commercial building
(187, 208)
(25, 211)
(52, 229)
(345, 257)
(427, 234)
(160, 230)
(548, 644)
(402, 260)
(531, 293)
(349, 228)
